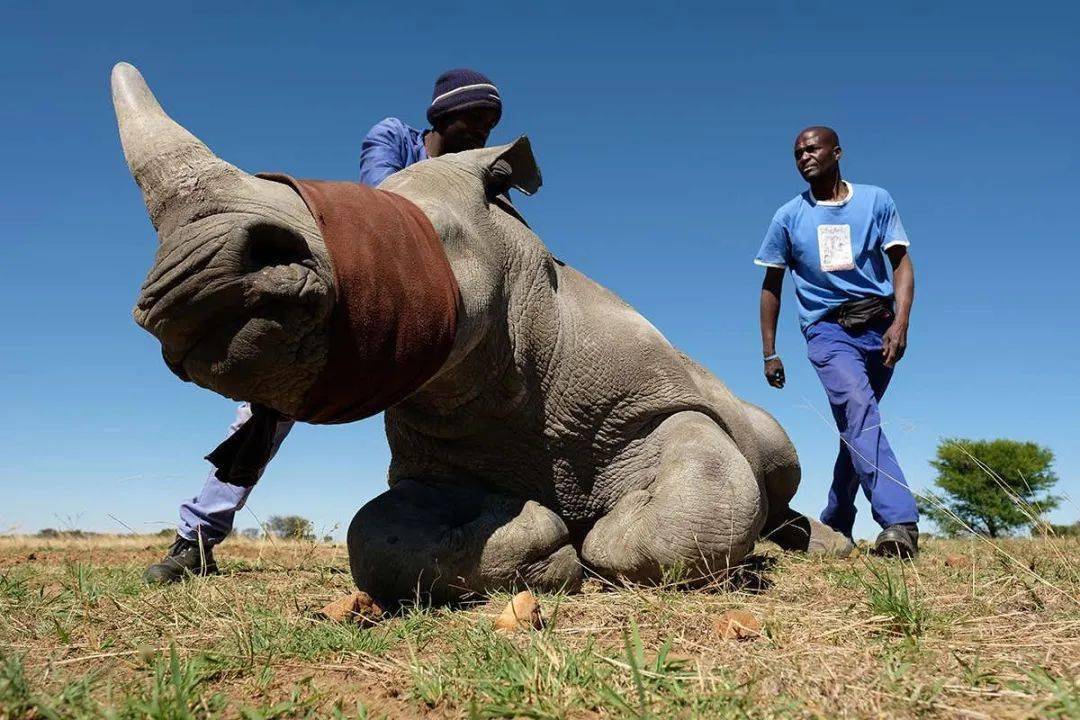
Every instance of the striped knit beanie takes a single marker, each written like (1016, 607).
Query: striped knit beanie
(461, 89)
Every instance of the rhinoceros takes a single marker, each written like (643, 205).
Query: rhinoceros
(562, 433)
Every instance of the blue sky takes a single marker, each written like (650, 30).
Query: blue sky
(664, 136)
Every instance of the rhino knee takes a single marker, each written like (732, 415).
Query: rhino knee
(702, 512)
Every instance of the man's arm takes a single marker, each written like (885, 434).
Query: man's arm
(894, 341)
(769, 312)
(380, 154)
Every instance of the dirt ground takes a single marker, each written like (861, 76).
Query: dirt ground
(972, 629)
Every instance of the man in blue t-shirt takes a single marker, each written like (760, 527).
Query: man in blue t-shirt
(465, 106)
(838, 240)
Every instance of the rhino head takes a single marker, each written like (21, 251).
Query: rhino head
(242, 286)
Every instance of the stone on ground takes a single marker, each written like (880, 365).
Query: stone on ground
(737, 625)
(357, 607)
(522, 612)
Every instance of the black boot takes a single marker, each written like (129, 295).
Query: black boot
(185, 558)
(899, 541)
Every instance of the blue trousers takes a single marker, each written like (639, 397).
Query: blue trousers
(210, 514)
(853, 372)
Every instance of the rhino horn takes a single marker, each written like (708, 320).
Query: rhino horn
(171, 166)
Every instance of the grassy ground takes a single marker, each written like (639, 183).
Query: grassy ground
(992, 633)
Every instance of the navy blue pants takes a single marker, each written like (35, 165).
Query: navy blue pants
(853, 372)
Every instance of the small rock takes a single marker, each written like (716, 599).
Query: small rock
(737, 625)
(359, 608)
(591, 585)
(957, 561)
(521, 612)
(32, 556)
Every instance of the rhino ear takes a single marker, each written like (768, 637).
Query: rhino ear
(514, 167)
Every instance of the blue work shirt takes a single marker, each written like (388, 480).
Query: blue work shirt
(390, 146)
(834, 250)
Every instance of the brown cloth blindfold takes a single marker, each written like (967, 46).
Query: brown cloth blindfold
(392, 326)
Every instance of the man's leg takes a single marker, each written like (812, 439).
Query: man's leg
(892, 501)
(209, 516)
(841, 364)
(822, 347)
(207, 519)
(839, 513)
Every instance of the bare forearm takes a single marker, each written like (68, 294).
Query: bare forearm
(894, 341)
(770, 311)
(769, 308)
(904, 288)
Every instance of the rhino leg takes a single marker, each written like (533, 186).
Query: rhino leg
(439, 542)
(699, 508)
(786, 527)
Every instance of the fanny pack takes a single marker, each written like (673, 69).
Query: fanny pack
(857, 314)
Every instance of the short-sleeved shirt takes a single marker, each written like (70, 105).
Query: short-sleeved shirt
(834, 250)
(391, 145)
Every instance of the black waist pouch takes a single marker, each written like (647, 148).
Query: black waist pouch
(857, 314)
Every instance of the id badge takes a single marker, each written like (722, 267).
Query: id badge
(834, 247)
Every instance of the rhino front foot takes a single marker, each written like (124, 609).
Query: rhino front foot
(440, 542)
(795, 532)
(699, 514)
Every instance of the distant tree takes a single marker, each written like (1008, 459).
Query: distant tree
(328, 538)
(166, 532)
(250, 533)
(991, 486)
(53, 533)
(1052, 530)
(291, 527)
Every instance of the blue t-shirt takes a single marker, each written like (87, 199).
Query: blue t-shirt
(390, 146)
(835, 250)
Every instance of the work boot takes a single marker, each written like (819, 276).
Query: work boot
(183, 559)
(898, 541)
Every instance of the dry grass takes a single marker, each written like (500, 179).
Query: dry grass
(997, 638)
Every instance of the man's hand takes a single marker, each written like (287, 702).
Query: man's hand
(893, 343)
(774, 372)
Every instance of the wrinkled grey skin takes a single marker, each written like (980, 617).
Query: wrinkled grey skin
(563, 431)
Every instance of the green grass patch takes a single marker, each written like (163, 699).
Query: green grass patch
(1064, 694)
(539, 675)
(888, 596)
(171, 688)
(305, 639)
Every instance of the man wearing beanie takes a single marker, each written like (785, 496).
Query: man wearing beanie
(465, 106)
